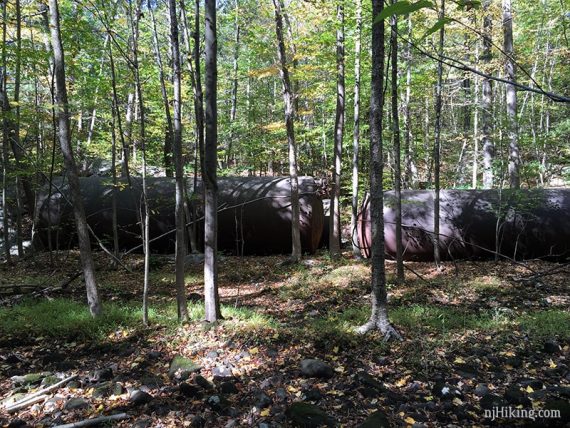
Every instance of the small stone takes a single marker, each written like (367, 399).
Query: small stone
(191, 391)
(217, 403)
(228, 388)
(491, 400)
(117, 389)
(204, 383)
(154, 355)
(308, 415)
(551, 347)
(29, 379)
(139, 397)
(377, 419)
(50, 380)
(232, 423)
(281, 394)
(481, 390)
(312, 394)
(316, 368)
(76, 403)
(181, 367)
(368, 380)
(102, 390)
(262, 400)
(101, 375)
(263, 425)
(222, 372)
(53, 404)
(198, 422)
(515, 396)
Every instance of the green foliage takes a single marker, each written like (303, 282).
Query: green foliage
(402, 7)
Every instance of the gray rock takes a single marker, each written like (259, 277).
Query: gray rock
(143, 423)
(138, 397)
(50, 380)
(228, 388)
(368, 380)
(316, 368)
(102, 375)
(76, 403)
(308, 415)
(204, 383)
(481, 390)
(262, 400)
(12, 398)
(117, 389)
(198, 422)
(217, 403)
(232, 423)
(551, 347)
(102, 390)
(222, 372)
(212, 355)
(53, 404)
(181, 367)
(377, 419)
(191, 391)
(29, 379)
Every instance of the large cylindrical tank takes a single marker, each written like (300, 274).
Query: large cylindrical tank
(254, 213)
(520, 224)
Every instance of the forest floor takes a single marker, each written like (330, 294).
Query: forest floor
(476, 336)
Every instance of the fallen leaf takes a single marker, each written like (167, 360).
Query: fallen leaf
(264, 413)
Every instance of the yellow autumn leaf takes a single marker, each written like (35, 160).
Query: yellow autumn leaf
(459, 360)
(254, 351)
(509, 354)
(429, 398)
(401, 382)
(552, 364)
(264, 413)
(529, 389)
(409, 420)
(457, 401)
(335, 349)
(339, 369)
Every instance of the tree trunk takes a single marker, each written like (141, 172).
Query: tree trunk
(211, 297)
(437, 139)
(486, 103)
(233, 109)
(5, 139)
(396, 138)
(288, 99)
(514, 155)
(69, 160)
(169, 134)
(411, 174)
(356, 136)
(139, 102)
(179, 168)
(334, 239)
(379, 316)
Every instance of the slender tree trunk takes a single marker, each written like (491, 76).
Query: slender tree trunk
(125, 148)
(134, 17)
(114, 113)
(437, 140)
(514, 154)
(198, 96)
(411, 174)
(169, 137)
(233, 109)
(475, 169)
(356, 135)
(211, 297)
(5, 139)
(288, 99)
(69, 160)
(93, 118)
(178, 164)
(486, 103)
(396, 138)
(334, 239)
(379, 316)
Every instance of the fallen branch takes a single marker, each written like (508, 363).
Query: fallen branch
(37, 396)
(95, 421)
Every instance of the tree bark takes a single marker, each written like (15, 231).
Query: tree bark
(169, 135)
(437, 140)
(411, 174)
(334, 238)
(233, 109)
(288, 99)
(69, 161)
(356, 134)
(211, 297)
(514, 154)
(486, 103)
(178, 165)
(400, 276)
(379, 316)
